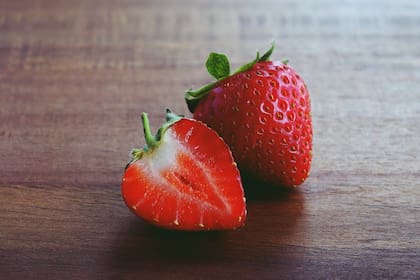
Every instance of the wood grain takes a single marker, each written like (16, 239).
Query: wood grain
(75, 76)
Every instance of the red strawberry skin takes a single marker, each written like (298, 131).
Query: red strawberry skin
(264, 115)
(188, 181)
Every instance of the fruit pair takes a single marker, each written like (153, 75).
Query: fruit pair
(186, 179)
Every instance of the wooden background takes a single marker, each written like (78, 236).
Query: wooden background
(75, 76)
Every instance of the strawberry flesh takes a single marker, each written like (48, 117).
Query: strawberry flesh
(188, 181)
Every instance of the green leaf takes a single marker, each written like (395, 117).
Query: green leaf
(264, 57)
(218, 65)
(247, 66)
(268, 53)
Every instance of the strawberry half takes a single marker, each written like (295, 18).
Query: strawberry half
(263, 113)
(184, 178)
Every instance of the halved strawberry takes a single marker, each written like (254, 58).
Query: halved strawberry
(184, 178)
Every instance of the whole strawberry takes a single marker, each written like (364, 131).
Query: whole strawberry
(263, 113)
(184, 178)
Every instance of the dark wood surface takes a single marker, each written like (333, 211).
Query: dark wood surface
(75, 76)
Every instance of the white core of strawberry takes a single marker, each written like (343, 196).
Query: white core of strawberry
(164, 156)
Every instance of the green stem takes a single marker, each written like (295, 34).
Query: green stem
(150, 139)
(171, 117)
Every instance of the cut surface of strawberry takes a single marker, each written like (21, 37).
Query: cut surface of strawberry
(184, 179)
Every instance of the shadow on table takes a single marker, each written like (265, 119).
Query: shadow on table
(142, 243)
(273, 218)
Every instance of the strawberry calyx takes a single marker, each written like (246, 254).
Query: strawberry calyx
(152, 141)
(218, 66)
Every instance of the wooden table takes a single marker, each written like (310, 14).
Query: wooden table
(75, 76)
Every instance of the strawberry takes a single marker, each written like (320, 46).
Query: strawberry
(184, 178)
(263, 113)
